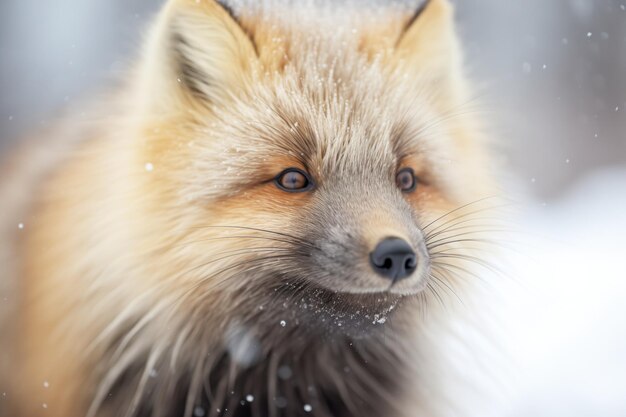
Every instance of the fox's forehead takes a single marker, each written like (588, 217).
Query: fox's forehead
(324, 101)
(337, 116)
(324, 87)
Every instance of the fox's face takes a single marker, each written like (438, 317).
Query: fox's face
(298, 171)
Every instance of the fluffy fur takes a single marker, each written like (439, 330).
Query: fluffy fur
(160, 272)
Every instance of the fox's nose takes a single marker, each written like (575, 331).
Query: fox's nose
(393, 258)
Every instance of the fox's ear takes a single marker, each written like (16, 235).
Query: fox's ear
(201, 50)
(428, 42)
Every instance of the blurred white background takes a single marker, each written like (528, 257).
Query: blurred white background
(553, 77)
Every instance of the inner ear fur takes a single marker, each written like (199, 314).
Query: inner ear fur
(208, 53)
(428, 42)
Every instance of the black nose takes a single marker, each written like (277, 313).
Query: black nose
(393, 258)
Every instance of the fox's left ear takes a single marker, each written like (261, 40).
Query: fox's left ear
(200, 53)
(428, 44)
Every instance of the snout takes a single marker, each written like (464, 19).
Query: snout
(394, 259)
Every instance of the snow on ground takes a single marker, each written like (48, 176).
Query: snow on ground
(565, 320)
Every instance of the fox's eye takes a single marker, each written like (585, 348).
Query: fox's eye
(406, 180)
(293, 180)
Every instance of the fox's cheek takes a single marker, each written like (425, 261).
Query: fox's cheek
(427, 200)
(266, 197)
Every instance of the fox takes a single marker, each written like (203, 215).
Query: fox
(263, 220)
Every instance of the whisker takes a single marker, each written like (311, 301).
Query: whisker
(456, 220)
(456, 210)
(435, 293)
(457, 227)
(447, 266)
(473, 259)
(452, 240)
(442, 283)
(234, 253)
(252, 237)
(283, 234)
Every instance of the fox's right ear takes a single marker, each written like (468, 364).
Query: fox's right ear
(428, 43)
(200, 52)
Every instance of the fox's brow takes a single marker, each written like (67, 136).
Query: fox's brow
(404, 139)
(295, 137)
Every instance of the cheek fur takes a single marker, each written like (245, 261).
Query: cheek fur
(277, 207)
(428, 202)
